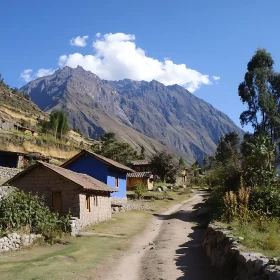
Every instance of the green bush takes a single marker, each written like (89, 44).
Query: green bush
(265, 199)
(18, 210)
(139, 190)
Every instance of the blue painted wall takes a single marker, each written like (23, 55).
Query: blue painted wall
(89, 165)
(122, 182)
(97, 169)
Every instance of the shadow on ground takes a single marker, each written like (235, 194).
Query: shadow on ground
(190, 258)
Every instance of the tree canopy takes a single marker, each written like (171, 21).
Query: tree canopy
(164, 166)
(118, 151)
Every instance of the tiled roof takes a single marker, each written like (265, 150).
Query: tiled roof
(139, 175)
(83, 180)
(140, 162)
(108, 161)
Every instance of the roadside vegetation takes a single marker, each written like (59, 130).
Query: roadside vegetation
(26, 213)
(242, 174)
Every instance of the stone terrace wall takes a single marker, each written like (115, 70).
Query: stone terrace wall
(226, 255)
(6, 173)
(14, 241)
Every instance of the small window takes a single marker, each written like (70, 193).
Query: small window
(88, 202)
(116, 180)
(95, 201)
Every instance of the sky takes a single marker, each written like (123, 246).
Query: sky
(201, 45)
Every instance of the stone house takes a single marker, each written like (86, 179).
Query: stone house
(87, 199)
(145, 178)
(103, 169)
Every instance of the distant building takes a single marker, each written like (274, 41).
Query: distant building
(145, 178)
(185, 176)
(19, 160)
(7, 125)
(141, 165)
(87, 199)
(103, 169)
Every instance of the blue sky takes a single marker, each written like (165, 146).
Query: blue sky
(214, 38)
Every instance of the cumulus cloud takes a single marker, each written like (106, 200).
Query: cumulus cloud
(79, 41)
(116, 57)
(28, 75)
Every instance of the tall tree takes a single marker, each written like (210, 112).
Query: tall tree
(228, 145)
(260, 91)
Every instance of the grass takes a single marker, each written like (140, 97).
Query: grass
(257, 236)
(79, 258)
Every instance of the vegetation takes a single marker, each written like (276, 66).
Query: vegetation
(19, 210)
(122, 152)
(139, 190)
(57, 125)
(164, 166)
(242, 175)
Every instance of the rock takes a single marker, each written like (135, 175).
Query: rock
(159, 189)
(164, 188)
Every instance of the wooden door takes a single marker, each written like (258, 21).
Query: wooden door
(57, 202)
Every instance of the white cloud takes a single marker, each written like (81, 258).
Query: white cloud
(79, 41)
(116, 57)
(27, 75)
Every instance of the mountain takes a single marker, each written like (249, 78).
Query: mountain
(140, 113)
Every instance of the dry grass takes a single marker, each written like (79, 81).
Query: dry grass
(49, 151)
(18, 115)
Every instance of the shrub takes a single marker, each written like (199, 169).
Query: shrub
(139, 190)
(18, 210)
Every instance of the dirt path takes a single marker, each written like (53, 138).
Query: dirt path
(168, 249)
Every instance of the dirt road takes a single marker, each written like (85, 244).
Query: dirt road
(168, 249)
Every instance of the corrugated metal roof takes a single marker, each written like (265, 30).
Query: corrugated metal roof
(139, 175)
(83, 180)
(108, 161)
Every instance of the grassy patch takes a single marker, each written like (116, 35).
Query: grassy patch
(79, 258)
(262, 237)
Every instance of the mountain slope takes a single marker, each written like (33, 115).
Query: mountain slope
(88, 103)
(171, 115)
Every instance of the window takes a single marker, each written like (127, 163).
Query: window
(88, 202)
(95, 200)
(116, 180)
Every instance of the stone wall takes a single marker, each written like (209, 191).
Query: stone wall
(14, 241)
(6, 173)
(127, 207)
(118, 200)
(225, 254)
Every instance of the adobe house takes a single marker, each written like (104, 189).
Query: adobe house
(87, 199)
(141, 165)
(140, 177)
(103, 169)
(19, 160)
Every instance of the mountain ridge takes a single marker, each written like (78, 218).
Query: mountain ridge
(157, 115)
